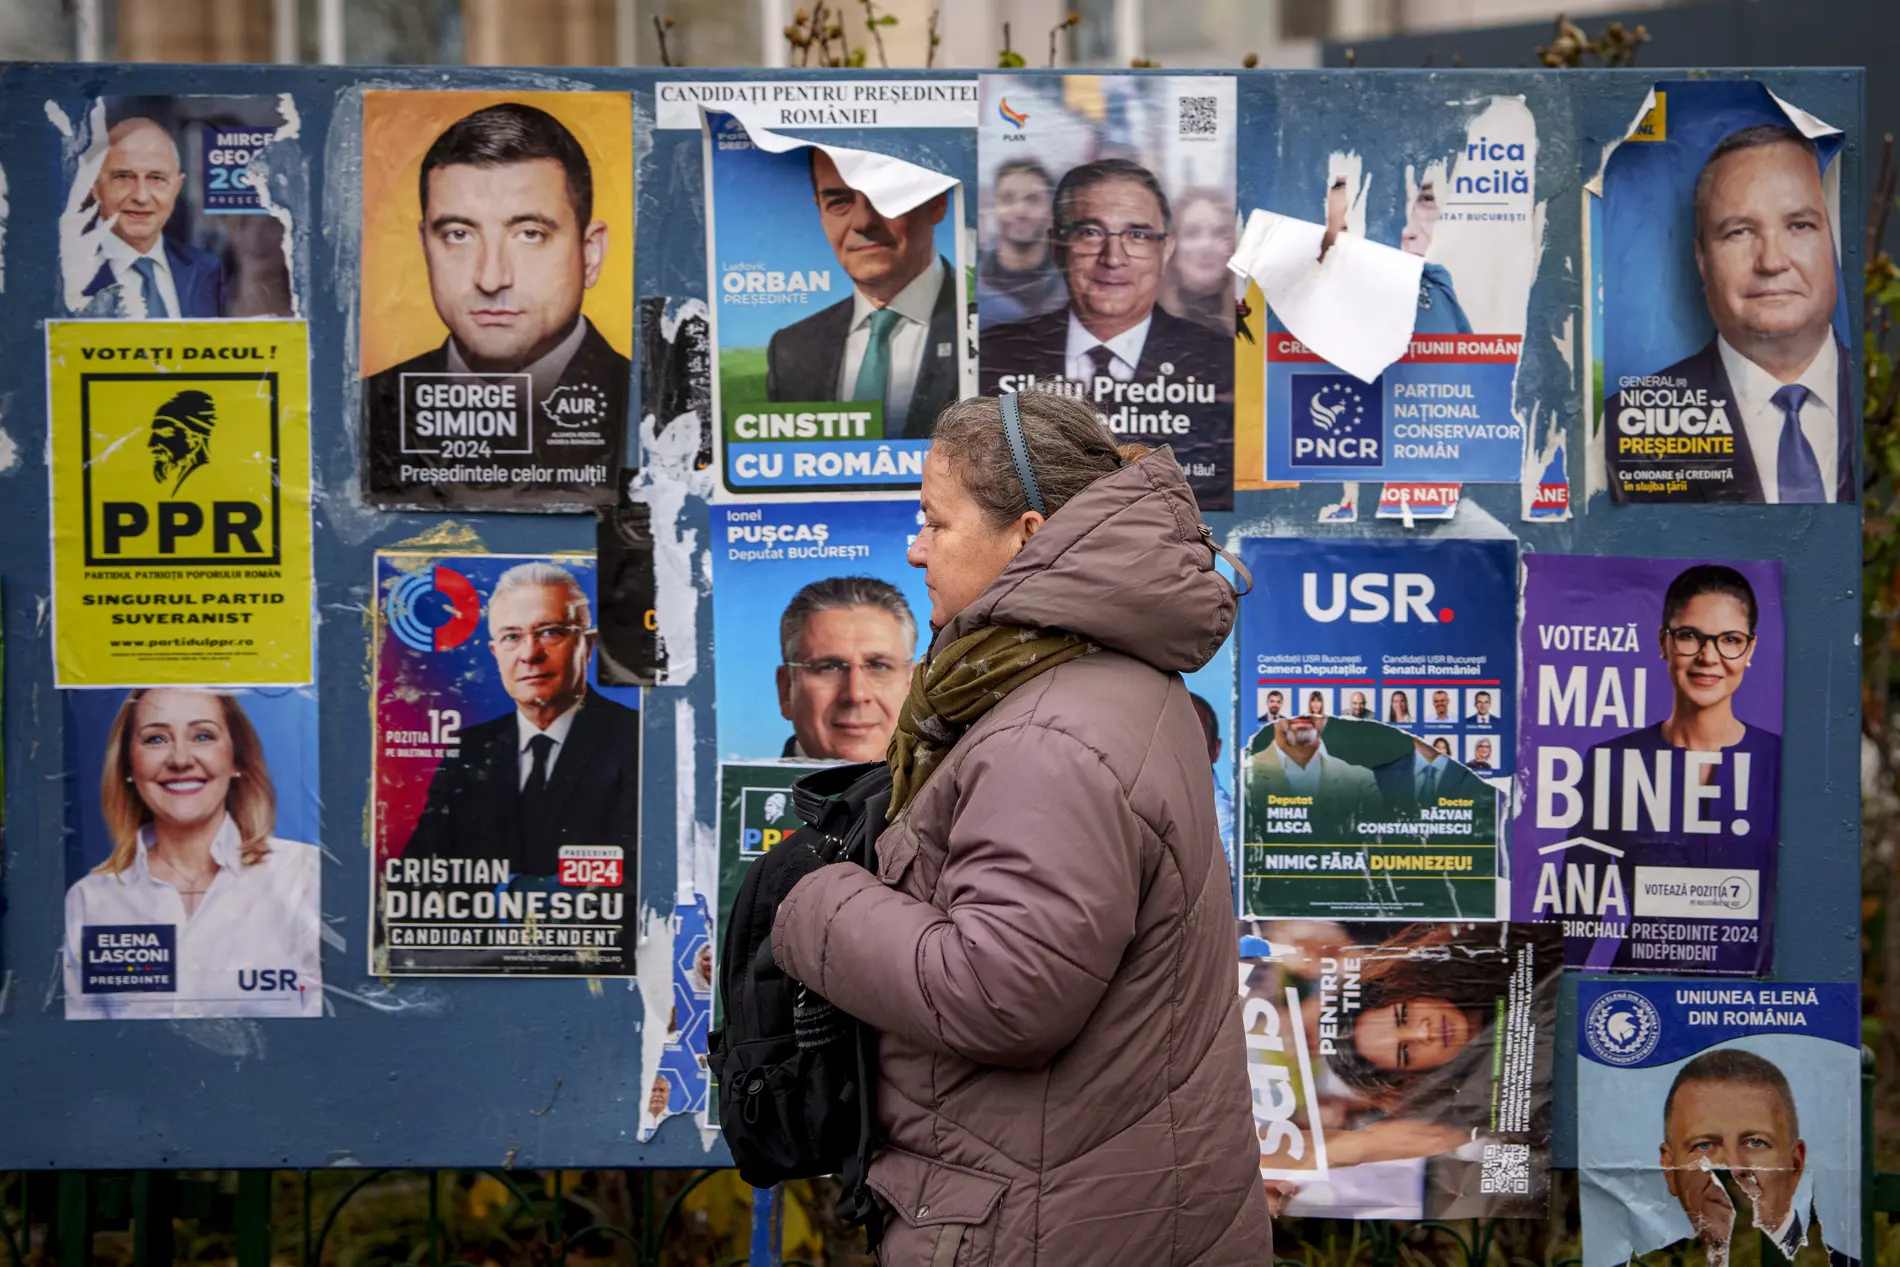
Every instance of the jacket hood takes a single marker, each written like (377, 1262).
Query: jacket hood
(1127, 563)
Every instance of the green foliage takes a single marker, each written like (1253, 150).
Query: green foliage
(1010, 59)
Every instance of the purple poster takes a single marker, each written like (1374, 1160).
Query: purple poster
(1650, 770)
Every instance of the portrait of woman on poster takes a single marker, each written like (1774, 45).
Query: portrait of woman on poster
(190, 808)
(1198, 284)
(1707, 642)
(1398, 708)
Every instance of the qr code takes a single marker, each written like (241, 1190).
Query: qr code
(1199, 117)
(1507, 1169)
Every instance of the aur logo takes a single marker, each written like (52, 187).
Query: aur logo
(576, 405)
(1622, 1028)
(1015, 118)
(434, 610)
(1337, 421)
(180, 469)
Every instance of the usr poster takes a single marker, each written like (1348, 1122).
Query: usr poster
(1649, 799)
(180, 477)
(507, 779)
(1724, 1125)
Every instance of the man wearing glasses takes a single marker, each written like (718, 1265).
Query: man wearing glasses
(1113, 238)
(562, 767)
(846, 644)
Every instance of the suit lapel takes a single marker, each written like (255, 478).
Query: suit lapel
(938, 369)
(1747, 485)
(582, 746)
(819, 361)
(1154, 349)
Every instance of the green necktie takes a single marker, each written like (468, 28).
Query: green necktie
(874, 374)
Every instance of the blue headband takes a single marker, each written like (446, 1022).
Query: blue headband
(1019, 452)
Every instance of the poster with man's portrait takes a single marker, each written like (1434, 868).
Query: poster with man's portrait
(1718, 328)
(194, 855)
(1108, 218)
(507, 778)
(840, 309)
(1458, 189)
(1724, 1116)
(497, 302)
(182, 208)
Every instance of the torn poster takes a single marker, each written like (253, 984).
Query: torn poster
(497, 304)
(1463, 204)
(506, 803)
(1378, 678)
(1718, 322)
(1724, 1123)
(1401, 1071)
(631, 652)
(1649, 797)
(1108, 219)
(176, 209)
(840, 311)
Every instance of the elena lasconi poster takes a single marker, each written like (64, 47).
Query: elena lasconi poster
(1648, 806)
(1460, 190)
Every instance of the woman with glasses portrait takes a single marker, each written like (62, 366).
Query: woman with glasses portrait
(1701, 753)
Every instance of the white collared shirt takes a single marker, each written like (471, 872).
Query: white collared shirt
(526, 730)
(915, 304)
(1762, 419)
(1126, 346)
(1303, 780)
(121, 256)
(545, 374)
(252, 948)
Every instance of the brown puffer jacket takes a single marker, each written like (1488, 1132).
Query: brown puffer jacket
(1047, 949)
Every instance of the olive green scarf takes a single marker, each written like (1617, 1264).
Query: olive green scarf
(959, 684)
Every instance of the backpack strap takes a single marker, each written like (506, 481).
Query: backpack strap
(857, 1206)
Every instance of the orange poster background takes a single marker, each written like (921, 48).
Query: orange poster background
(398, 319)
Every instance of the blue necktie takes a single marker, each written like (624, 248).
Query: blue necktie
(1428, 786)
(1798, 474)
(148, 287)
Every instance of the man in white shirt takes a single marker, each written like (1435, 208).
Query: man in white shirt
(1296, 764)
(894, 341)
(134, 196)
(562, 767)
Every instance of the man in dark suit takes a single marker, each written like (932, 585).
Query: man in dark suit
(1732, 1155)
(562, 767)
(1425, 775)
(512, 246)
(1113, 239)
(135, 193)
(1776, 366)
(895, 339)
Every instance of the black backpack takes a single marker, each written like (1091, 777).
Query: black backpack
(797, 1077)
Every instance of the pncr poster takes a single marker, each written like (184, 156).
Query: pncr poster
(180, 476)
(497, 304)
(1718, 314)
(1401, 1071)
(1649, 796)
(840, 311)
(193, 857)
(507, 779)
(1376, 704)
(1724, 1123)
(1463, 195)
(1108, 218)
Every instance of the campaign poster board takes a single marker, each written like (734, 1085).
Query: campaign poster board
(495, 853)
(1460, 190)
(1718, 335)
(193, 853)
(179, 209)
(497, 298)
(840, 313)
(1648, 819)
(1131, 307)
(1388, 666)
(818, 618)
(1401, 1070)
(180, 482)
(1724, 1122)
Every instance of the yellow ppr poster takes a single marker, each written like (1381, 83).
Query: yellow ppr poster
(181, 502)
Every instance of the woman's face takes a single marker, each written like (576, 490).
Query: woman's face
(1414, 1035)
(958, 549)
(1205, 233)
(1705, 679)
(182, 758)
